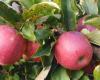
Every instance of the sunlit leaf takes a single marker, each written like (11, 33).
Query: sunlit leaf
(96, 72)
(40, 10)
(94, 37)
(28, 31)
(93, 21)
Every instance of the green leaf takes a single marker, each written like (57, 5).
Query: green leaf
(85, 77)
(2, 76)
(2, 21)
(58, 2)
(42, 34)
(54, 17)
(6, 1)
(28, 70)
(96, 72)
(28, 31)
(28, 3)
(60, 74)
(93, 20)
(98, 6)
(76, 75)
(47, 60)
(16, 77)
(9, 14)
(41, 9)
(44, 50)
(94, 37)
(8, 68)
(69, 14)
(90, 6)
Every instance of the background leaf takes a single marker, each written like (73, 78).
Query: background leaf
(68, 13)
(28, 3)
(93, 20)
(41, 9)
(98, 6)
(90, 6)
(94, 37)
(9, 14)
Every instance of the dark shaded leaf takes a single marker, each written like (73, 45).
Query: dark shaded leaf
(69, 14)
(47, 60)
(9, 14)
(44, 50)
(42, 34)
(98, 6)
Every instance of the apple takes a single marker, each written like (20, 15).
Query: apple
(12, 45)
(81, 25)
(31, 49)
(90, 28)
(73, 50)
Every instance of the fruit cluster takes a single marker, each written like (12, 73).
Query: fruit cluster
(47, 34)
(13, 46)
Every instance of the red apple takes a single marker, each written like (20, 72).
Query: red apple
(88, 27)
(73, 50)
(12, 45)
(32, 48)
(82, 26)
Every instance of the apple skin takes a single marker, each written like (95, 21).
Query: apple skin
(12, 45)
(31, 49)
(73, 50)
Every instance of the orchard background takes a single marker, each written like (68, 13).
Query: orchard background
(40, 23)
